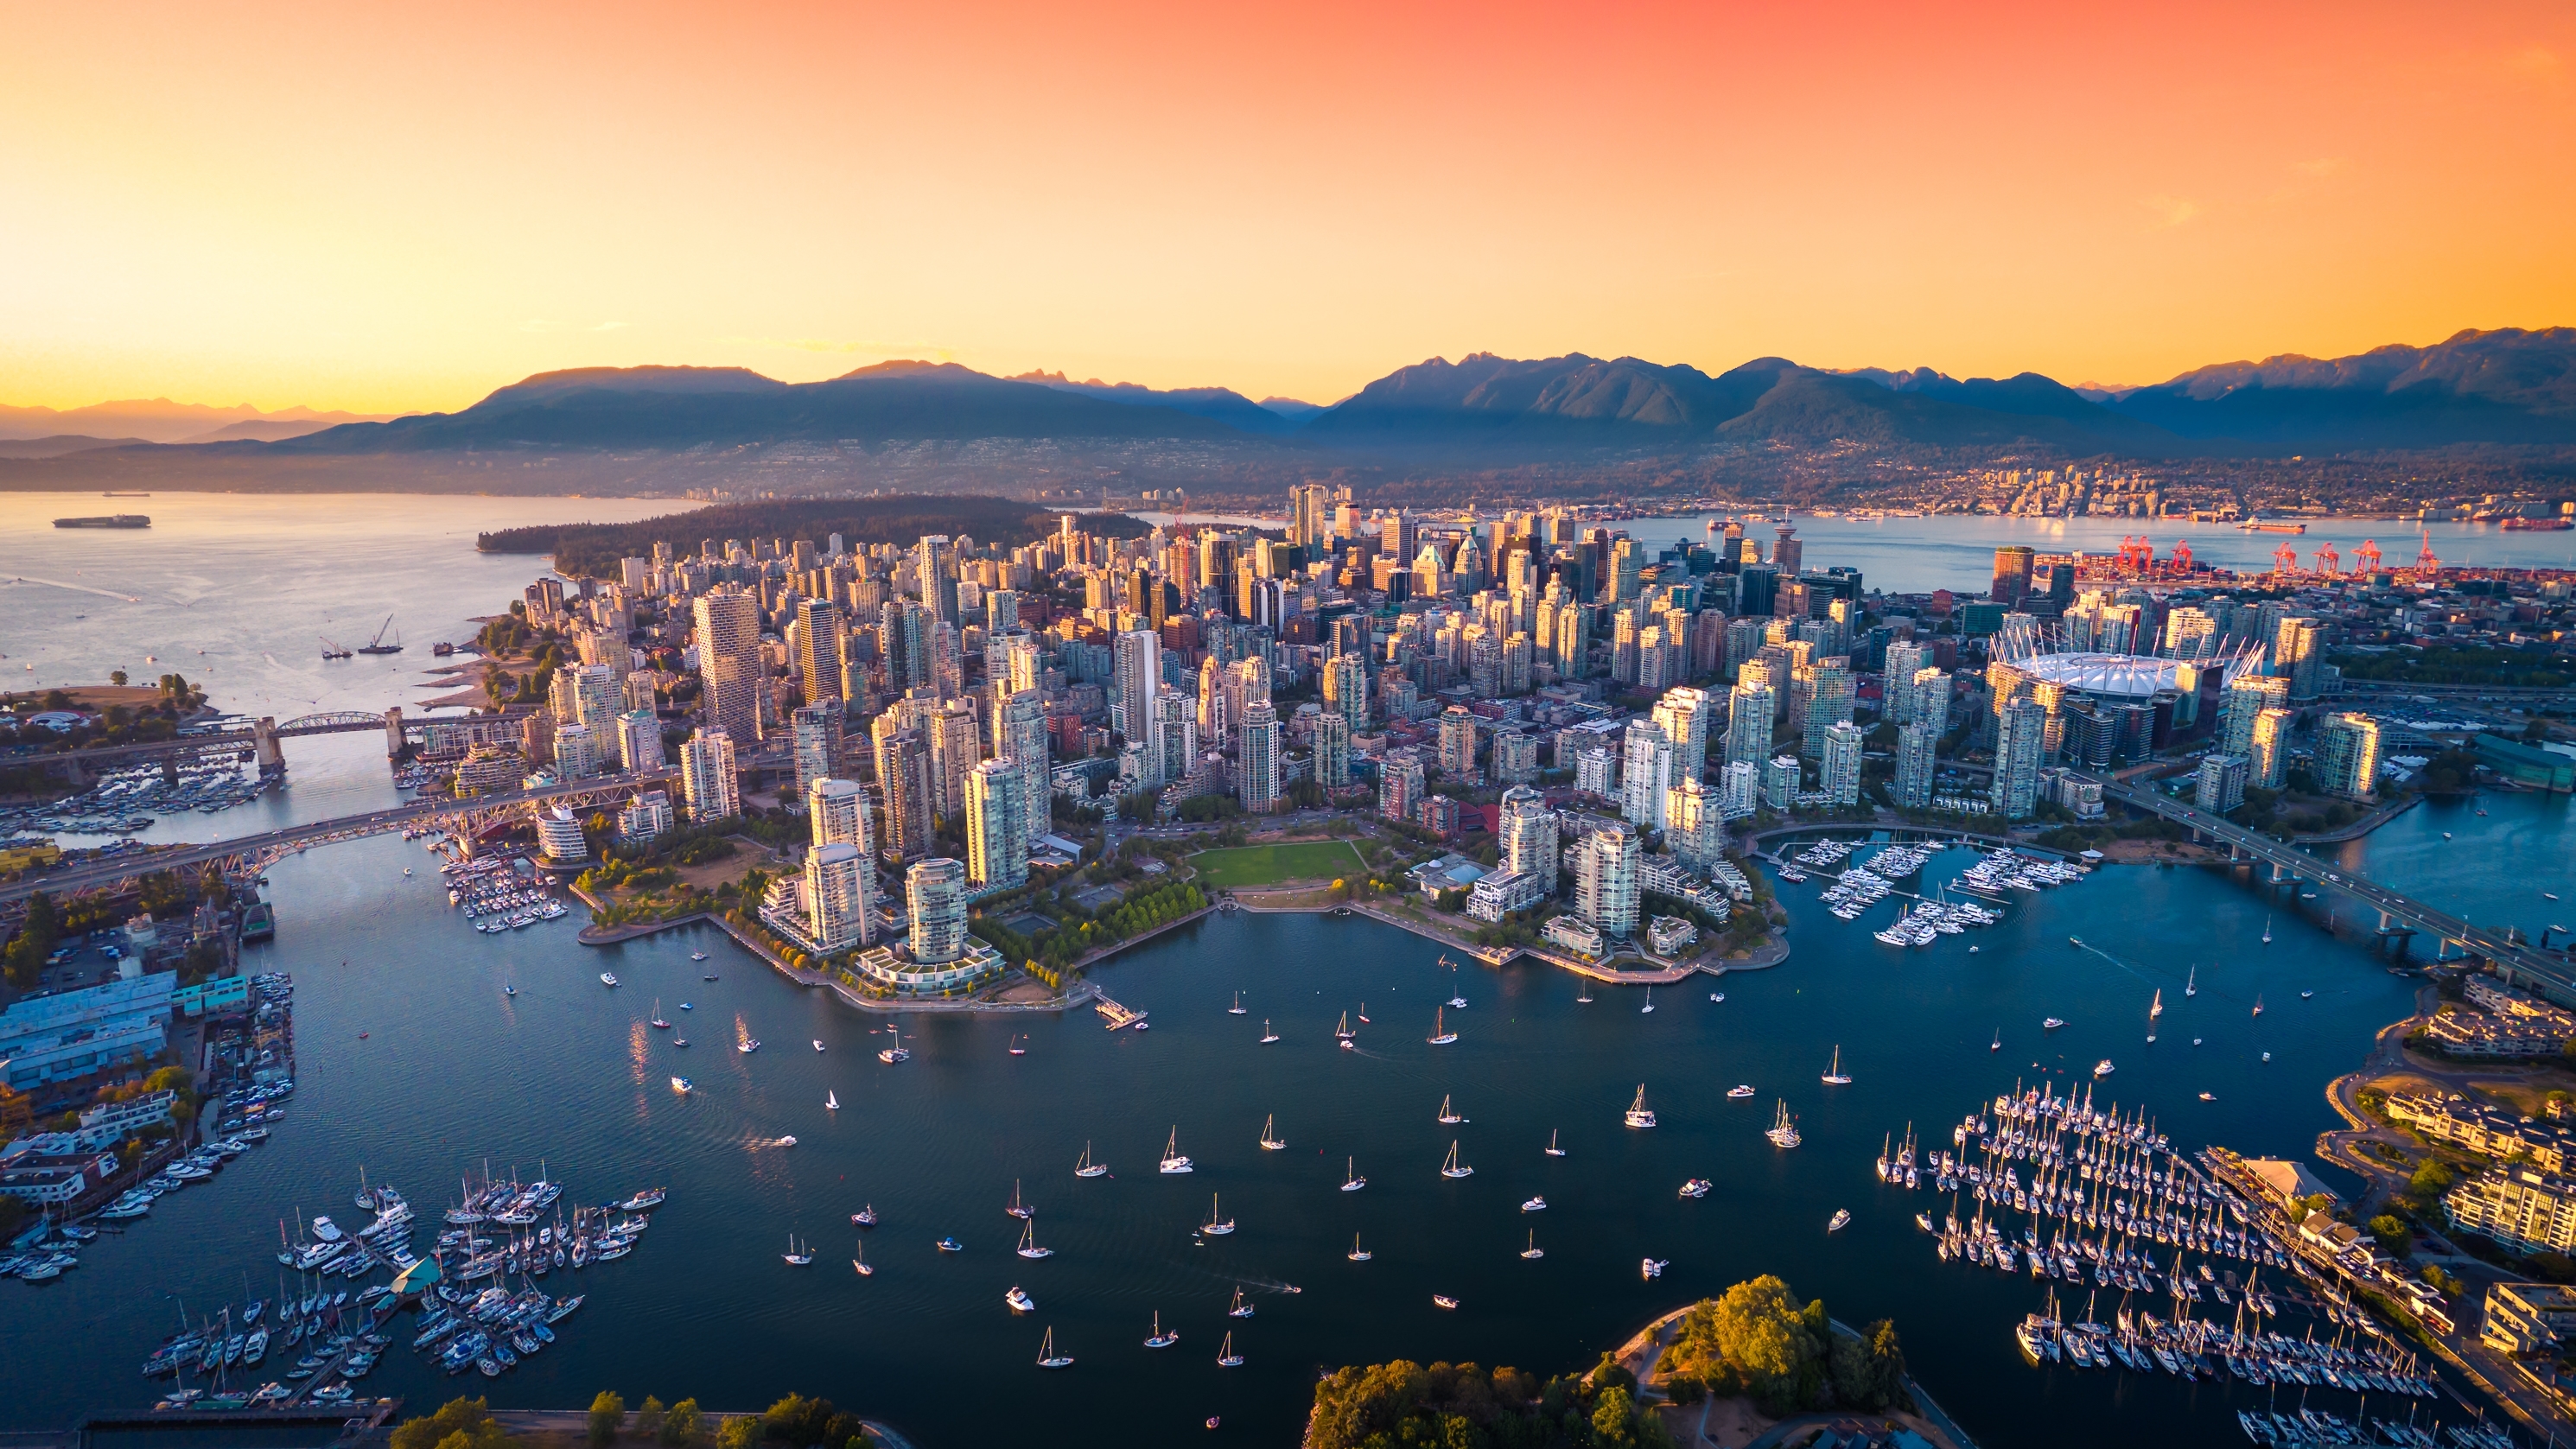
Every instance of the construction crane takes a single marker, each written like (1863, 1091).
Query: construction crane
(378, 645)
(334, 651)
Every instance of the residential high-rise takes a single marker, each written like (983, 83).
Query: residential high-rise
(1645, 774)
(997, 845)
(838, 879)
(2220, 786)
(836, 812)
(903, 783)
(1903, 660)
(1572, 639)
(1739, 789)
(1345, 678)
(1332, 751)
(956, 746)
(1399, 785)
(729, 668)
(934, 563)
(1260, 759)
(1215, 704)
(1515, 757)
(2296, 655)
(1022, 740)
(639, 740)
(2248, 695)
(935, 890)
(2268, 748)
(2012, 575)
(1748, 724)
(707, 778)
(2347, 757)
(1694, 824)
(1605, 881)
(1838, 772)
(1828, 691)
(2021, 739)
(1177, 727)
(1526, 835)
(577, 753)
(1684, 715)
(1931, 694)
(594, 697)
(1137, 672)
(816, 730)
(1457, 743)
(1917, 757)
(1782, 778)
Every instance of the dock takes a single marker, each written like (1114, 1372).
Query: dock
(1117, 1015)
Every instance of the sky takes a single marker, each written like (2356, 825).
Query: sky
(389, 208)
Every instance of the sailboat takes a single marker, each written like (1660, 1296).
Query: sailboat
(1241, 1307)
(858, 1259)
(1452, 1168)
(1583, 992)
(2191, 983)
(1342, 1029)
(657, 1023)
(1173, 1161)
(1533, 1250)
(1028, 1247)
(1364, 1013)
(1638, 1115)
(1835, 1076)
(831, 1101)
(1552, 1149)
(1999, 1040)
(1161, 1339)
(1449, 1115)
(1649, 1007)
(1226, 1357)
(1784, 1132)
(2267, 930)
(1019, 1209)
(1083, 1166)
(1456, 999)
(2157, 1006)
(1018, 1050)
(1237, 1008)
(1048, 1358)
(797, 1256)
(2258, 1003)
(1216, 1227)
(1351, 1179)
(1358, 1254)
(1441, 1035)
(1267, 1035)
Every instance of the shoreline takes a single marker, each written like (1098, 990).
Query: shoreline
(1762, 960)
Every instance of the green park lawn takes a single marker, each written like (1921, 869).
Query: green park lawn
(1259, 865)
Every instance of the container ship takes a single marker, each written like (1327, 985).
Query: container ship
(2536, 525)
(112, 520)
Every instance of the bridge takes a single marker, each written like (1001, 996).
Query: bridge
(2400, 916)
(259, 736)
(248, 855)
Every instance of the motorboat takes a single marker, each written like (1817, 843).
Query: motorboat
(2208, 1097)
(1697, 1188)
(2102, 1068)
(951, 1245)
(1351, 1180)
(2051, 1023)
(1653, 1267)
(1019, 1300)
(1534, 1205)
(1444, 1302)
(1638, 1115)
(1841, 1219)
(608, 978)
(1717, 996)
(818, 1046)
(787, 1141)
(697, 955)
(1740, 1091)
(747, 1045)
(865, 1217)
(1173, 1161)
(683, 1086)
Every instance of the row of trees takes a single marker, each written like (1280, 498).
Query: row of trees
(1402, 1405)
(1760, 1341)
(1074, 938)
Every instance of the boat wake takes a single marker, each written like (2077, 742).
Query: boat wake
(759, 1144)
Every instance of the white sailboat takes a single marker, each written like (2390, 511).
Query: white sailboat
(1583, 991)
(831, 1101)
(1270, 1141)
(1028, 1247)
(1216, 1227)
(2267, 930)
(1649, 1007)
(1441, 1035)
(1835, 1076)
(1018, 1208)
(1533, 1250)
(798, 1256)
(1226, 1357)
(1343, 1028)
(1784, 1130)
(1048, 1358)
(2191, 983)
(1453, 1168)
(1351, 1179)
(1638, 1115)
(1237, 1008)
(1161, 1339)
(1267, 1035)
(859, 1262)
(1173, 1161)
(1449, 1115)
(1552, 1149)
(1358, 1254)
(2157, 1006)
(1241, 1307)
(1083, 1166)
(1456, 997)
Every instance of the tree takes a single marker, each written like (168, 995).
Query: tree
(682, 1424)
(1611, 1428)
(742, 1431)
(2393, 1234)
(607, 1416)
(648, 1418)
(458, 1424)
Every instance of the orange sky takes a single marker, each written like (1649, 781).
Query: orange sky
(282, 203)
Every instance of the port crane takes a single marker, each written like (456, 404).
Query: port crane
(334, 651)
(378, 645)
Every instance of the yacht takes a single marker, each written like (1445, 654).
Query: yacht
(2306, 995)
(1835, 1075)
(2208, 1097)
(1638, 1114)
(697, 955)
(1441, 1035)
(1784, 1131)
(683, 1086)
(1649, 1007)
(1019, 1209)
(509, 991)
(1019, 1301)
(747, 1045)
(1653, 1267)
(1740, 1090)
(1445, 1302)
(1028, 1247)
(1448, 1115)
(1552, 1149)
(1535, 1205)
(607, 978)
(1270, 1140)
(1226, 1357)
(1697, 1188)
(1173, 1161)
(1453, 1168)
(1583, 992)
(1358, 1254)
(1214, 1227)
(1234, 1010)
(866, 1216)
(1048, 1358)
(1267, 1035)
(1351, 1179)
(1841, 1219)
(2102, 1068)
(1533, 1250)
(2051, 1023)
(1160, 1339)
(1083, 1166)
(798, 1257)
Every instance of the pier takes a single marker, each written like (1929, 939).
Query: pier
(1117, 1015)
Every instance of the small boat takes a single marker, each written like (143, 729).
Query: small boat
(865, 1217)
(697, 955)
(1270, 1140)
(1226, 1357)
(1028, 1247)
(2075, 940)
(1214, 1227)
(1552, 1149)
(2209, 1096)
(858, 1260)
(1717, 996)
(710, 976)
(1267, 1035)
(1697, 1188)
(1649, 1007)
(684, 1006)
(1441, 1035)
(607, 978)
(951, 1245)
(2051, 1023)
(1241, 1307)
(1534, 1205)
(1444, 1302)
(2156, 1007)
(2306, 995)
(1533, 1250)
(1999, 1040)
(683, 1086)
(788, 1141)
(1351, 1180)
(1358, 1254)
(2267, 1056)
(1048, 1358)
(831, 1101)
(1173, 1161)
(1583, 992)
(2549, 895)
(1453, 1168)
(1234, 1010)
(679, 1041)
(1160, 1339)
(1840, 1220)
(1363, 1013)
(1018, 1050)
(2191, 983)
(894, 1054)
(509, 991)
(818, 1046)
(1784, 1130)
(1653, 1267)
(798, 1257)
(2445, 835)
(1834, 1074)
(1740, 1090)
(1019, 1209)
(657, 1023)
(1083, 1166)
(1449, 1115)
(2102, 1068)
(2267, 930)
(2258, 1003)
(747, 1045)
(1638, 1114)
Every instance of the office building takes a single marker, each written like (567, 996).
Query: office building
(2012, 575)
(1605, 881)
(997, 843)
(1917, 758)
(1838, 773)
(729, 668)
(707, 777)
(2021, 735)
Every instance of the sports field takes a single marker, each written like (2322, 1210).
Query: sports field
(1259, 865)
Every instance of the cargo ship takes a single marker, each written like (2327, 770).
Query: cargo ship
(2262, 525)
(113, 520)
(2536, 525)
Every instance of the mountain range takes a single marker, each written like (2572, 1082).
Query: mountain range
(2509, 386)
(45, 432)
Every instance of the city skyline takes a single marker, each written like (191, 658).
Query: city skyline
(1293, 211)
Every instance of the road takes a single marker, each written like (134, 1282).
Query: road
(126, 865)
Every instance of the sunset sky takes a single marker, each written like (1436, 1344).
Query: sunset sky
(386, 208)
